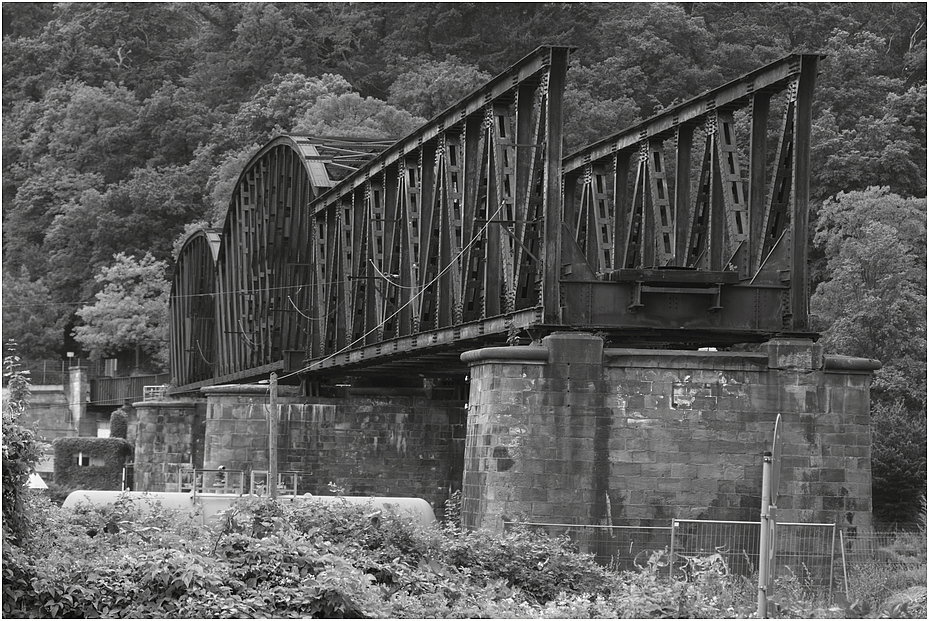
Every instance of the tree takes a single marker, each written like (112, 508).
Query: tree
(889, 150)
(351, 115)
(137, 46)
(279, 104)
(670, 51)
(597, 102)
(873, 300)
(30, 317)
(872, 303)
(131, 312)
(29, 214)
(144, 213)
(429, 87)
(88, 129)
(898, 462)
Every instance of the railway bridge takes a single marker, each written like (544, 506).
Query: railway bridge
(350, 257)
(631, 317)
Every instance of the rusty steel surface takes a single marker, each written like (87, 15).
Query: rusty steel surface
(345, 257)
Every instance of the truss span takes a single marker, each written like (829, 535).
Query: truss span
(346, 259)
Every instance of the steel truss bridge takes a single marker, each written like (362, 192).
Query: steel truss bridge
(342, 257)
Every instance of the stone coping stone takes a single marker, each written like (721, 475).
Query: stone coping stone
(249, 389)
(166, 403)
(521, 353)
(851, 363)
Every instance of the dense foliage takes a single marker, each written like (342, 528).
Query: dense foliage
(125, 126)
(22, 450)
(267, 559)
(283, 560)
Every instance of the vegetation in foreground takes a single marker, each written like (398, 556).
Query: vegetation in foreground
(272, 559)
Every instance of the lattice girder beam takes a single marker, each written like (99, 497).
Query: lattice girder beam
(713, 216)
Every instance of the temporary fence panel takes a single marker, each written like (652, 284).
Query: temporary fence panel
(866, 557)
(617, 547)
(805, 553)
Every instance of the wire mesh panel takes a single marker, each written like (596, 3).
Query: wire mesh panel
(735, 544)
(617, 547)
(804, 553)
(867, 559)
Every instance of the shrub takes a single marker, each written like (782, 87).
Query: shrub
(111, 452)
(21, 449)
(119, 424)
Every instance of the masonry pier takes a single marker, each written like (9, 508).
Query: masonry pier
(569, 431)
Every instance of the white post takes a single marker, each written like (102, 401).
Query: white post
(765, 544)
(272, 439)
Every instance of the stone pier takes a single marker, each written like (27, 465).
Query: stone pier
(567, 431)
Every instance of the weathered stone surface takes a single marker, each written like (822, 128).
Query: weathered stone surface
(671, 433)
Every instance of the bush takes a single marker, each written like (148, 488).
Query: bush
(21, 450)
(898, 462)
(282, 559)
(119, 424)
(112, 452)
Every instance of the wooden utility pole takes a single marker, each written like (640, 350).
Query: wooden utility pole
(272, 438)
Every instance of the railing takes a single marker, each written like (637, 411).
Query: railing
(154, 393)
(286, 483)
(53, 371)
(218, 481)
(119, 390)
(222, 481)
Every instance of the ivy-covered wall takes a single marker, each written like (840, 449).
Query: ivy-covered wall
(90, 463)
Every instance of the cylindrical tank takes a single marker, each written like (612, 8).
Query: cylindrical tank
(208, 505)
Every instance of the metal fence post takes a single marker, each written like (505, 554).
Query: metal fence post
(832, 565)
(765, 543)
(844, 564)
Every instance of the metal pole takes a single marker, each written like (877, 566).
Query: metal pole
(832, 567)
(272, 438)
(844, 564)
(764, 544)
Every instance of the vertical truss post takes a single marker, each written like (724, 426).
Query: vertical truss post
(490, 201)
(635, 228)
(661, 204)
(551, 294)
(733, 194)
(800, 216)
(699, 244)
(685, 141)
(620, 203)
(777, 213)
(758, 147)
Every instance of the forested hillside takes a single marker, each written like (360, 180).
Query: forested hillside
(124, 126)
